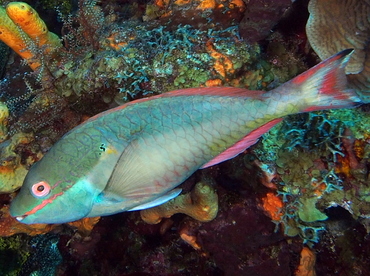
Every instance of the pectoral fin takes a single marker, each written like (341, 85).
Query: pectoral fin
(158, 201)
(137, 172)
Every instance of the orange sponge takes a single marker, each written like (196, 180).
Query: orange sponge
(12, 36)
(30, 22)
(21, 28)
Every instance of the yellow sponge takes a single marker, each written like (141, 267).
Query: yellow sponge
(12, 36)
(30, 22)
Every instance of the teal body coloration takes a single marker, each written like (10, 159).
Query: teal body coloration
(130, 156)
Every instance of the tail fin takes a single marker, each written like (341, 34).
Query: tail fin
(324, 86)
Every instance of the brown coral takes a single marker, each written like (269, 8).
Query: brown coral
(335, 25)
(10, 226)
(201, 204)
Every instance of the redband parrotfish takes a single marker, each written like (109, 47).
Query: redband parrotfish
(134, 156)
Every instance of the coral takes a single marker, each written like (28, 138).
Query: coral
(308, 212)
(85, 225)
(190, 238)
(105, 62)
(223, 64)
(196, 12)
(307, 263)
(201, 204)
(10, 226)
(307, 150)
(305, 181)
(327, 37)
(309, 129)
(13, 169)
(140, 60)
(4, 116)
(284, 59)
(353, 33)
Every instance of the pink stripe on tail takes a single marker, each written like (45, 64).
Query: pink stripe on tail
(324, 86)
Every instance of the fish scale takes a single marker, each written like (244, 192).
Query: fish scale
(133, 156)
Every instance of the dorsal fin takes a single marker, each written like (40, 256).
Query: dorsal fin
(243, 144)
(214, 91)
(210, 91)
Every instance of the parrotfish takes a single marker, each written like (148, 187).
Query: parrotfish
(134, 156)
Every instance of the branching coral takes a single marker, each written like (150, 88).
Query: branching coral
(201, 204)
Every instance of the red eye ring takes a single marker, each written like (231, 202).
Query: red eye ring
(40, 189)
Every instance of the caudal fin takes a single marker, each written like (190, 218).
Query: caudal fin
(324, 86)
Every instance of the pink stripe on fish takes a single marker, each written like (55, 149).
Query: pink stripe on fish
(43, 204)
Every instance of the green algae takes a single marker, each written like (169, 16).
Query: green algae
(308, 212)
(13, 254)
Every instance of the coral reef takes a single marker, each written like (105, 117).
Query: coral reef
(315, 161)
(301, 189)
(327, 37)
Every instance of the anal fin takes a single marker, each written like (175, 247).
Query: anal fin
(249, 140)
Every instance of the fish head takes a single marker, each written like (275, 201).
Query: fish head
(48, 196)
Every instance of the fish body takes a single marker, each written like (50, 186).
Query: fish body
(129, 156)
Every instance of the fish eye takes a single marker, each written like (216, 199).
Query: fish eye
(40, 189)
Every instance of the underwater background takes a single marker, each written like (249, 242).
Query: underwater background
(295, 203)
